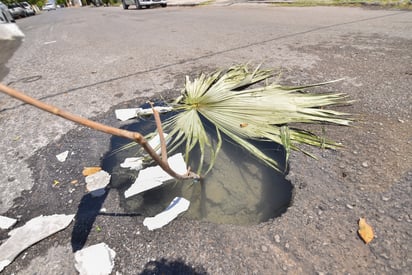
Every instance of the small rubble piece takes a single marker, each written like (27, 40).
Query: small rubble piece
(155, 176)
(137, 163)
(365, 164)
(155, 142)
(97, 259)
(126, 114)
(149, 111)
(32, 232)
(133, 163)
(6, 223)
(62, 156)
(365, 231)
(87, 171)
(349, 206)
(177, 206)
(97, 182)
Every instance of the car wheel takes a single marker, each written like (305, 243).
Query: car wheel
(125, 7)
(138, 6)
(163, 5)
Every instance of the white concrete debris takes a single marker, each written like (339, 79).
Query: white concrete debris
(137, 162)
(62, 156)
(133, 163)
(129, 113)
(97, 259)
(32, 232)
(126, 114)
(155, 142)
(97, 182)
(149, 111)
(155, 176)
(6, 222)
(177, 206)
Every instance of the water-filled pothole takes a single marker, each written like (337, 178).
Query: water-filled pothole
(238, 190)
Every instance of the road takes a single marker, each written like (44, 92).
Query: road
(90, 60)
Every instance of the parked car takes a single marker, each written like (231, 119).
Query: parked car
(27, 8)
(49, 7)
(5, 15)
(16, 10)
(143, 3)
(97, 3)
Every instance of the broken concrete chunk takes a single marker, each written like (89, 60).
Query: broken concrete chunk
(152, 177)
(177, 206)
(126, 114)
(4, 263)
(149, 111)
(97, 182)
(155, 142)
(62, 156)
(6, 223)
(97, 259)
(133, 163)
(33, 231)
(137, 163)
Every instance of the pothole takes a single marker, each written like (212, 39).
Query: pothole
(239, 189)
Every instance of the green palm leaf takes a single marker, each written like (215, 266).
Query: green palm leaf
(230, 101)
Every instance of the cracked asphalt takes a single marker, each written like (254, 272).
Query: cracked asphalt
(92, 61)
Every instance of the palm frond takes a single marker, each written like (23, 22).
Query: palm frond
(244, 113)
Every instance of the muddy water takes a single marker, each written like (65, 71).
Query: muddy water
(238, 190)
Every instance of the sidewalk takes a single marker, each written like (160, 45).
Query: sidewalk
(190, 3)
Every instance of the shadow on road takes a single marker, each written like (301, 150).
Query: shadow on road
(163, 266)
(88, 210)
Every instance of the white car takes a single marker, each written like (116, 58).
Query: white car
(143, 3)
(49, 7)
(28, 8)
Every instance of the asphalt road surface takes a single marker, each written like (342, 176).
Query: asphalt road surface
(92, 60)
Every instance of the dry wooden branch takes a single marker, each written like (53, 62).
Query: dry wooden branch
(160, 131)
(135, 136)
